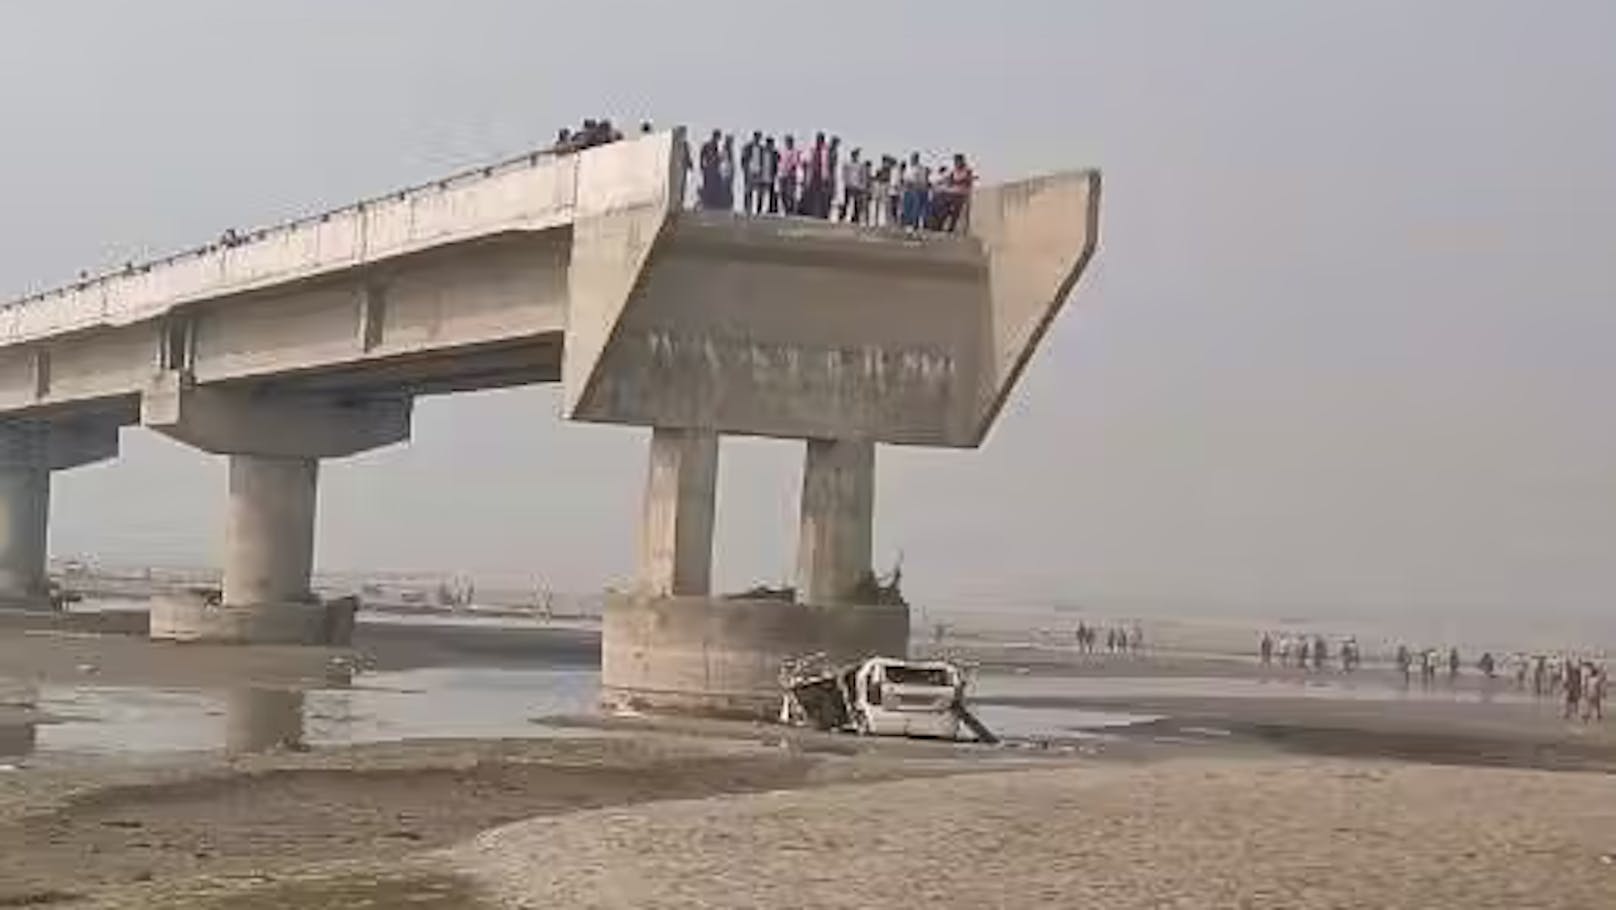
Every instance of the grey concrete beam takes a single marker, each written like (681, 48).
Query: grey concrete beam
(231, 422)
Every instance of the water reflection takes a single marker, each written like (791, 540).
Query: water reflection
(57, 720)
(18, 736)
(19, 724)
(259, 720)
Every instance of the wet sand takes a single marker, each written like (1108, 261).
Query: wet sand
(248, 821)
(1234, 788)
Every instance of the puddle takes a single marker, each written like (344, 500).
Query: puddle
(438, 703)
(1017, 723)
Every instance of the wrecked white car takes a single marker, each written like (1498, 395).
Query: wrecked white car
(879, 696)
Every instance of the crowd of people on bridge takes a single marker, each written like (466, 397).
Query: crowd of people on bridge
(591, 133)
(817, 180)
(811, 180)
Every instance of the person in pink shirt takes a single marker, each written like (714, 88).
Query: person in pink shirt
(790, 176)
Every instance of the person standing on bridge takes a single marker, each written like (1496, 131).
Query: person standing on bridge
(855, 188)
(707, 162)
(752, 173)
(832, 172)
(771, 173)
(916, 189)
(790, 176)
(726, 175)
(815, 187)
(961, 180)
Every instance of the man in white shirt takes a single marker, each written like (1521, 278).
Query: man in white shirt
(855, 188)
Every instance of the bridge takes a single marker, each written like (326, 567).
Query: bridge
(282, 347)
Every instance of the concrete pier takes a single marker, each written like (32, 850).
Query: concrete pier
(671, 647)
(838, 511)
(24, 517)
(269, 533)
(676, 533)
(275, 443)
(29, 452)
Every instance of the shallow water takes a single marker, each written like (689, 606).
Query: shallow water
(377, 707)
(1335, 687)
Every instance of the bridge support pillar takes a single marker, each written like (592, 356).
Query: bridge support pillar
(838, 514)
(275, 443)
(24, 518)
(269, 533)
(666, 648)
(676, 531)
(29, 451)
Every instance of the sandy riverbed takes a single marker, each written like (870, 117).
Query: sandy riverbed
(1245, 790)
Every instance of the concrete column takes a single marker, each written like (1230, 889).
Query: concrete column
(838, 508)
(24, 517)
(269, 534)
(676, 535)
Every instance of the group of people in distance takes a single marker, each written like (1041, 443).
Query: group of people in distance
(1118, 639)
(810, 181)
(818, 181)
(591, 133)
(1304, 651)
(1580, 681)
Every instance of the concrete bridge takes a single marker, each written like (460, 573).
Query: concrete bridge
(311, 340)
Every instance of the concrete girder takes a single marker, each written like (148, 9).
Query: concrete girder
(230, 422)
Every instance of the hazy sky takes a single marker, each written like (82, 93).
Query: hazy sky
(1349, 339)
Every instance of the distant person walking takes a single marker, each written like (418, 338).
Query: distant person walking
(1266, 649)
(1593, 694)
(1573, 688)
(1453, 664)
